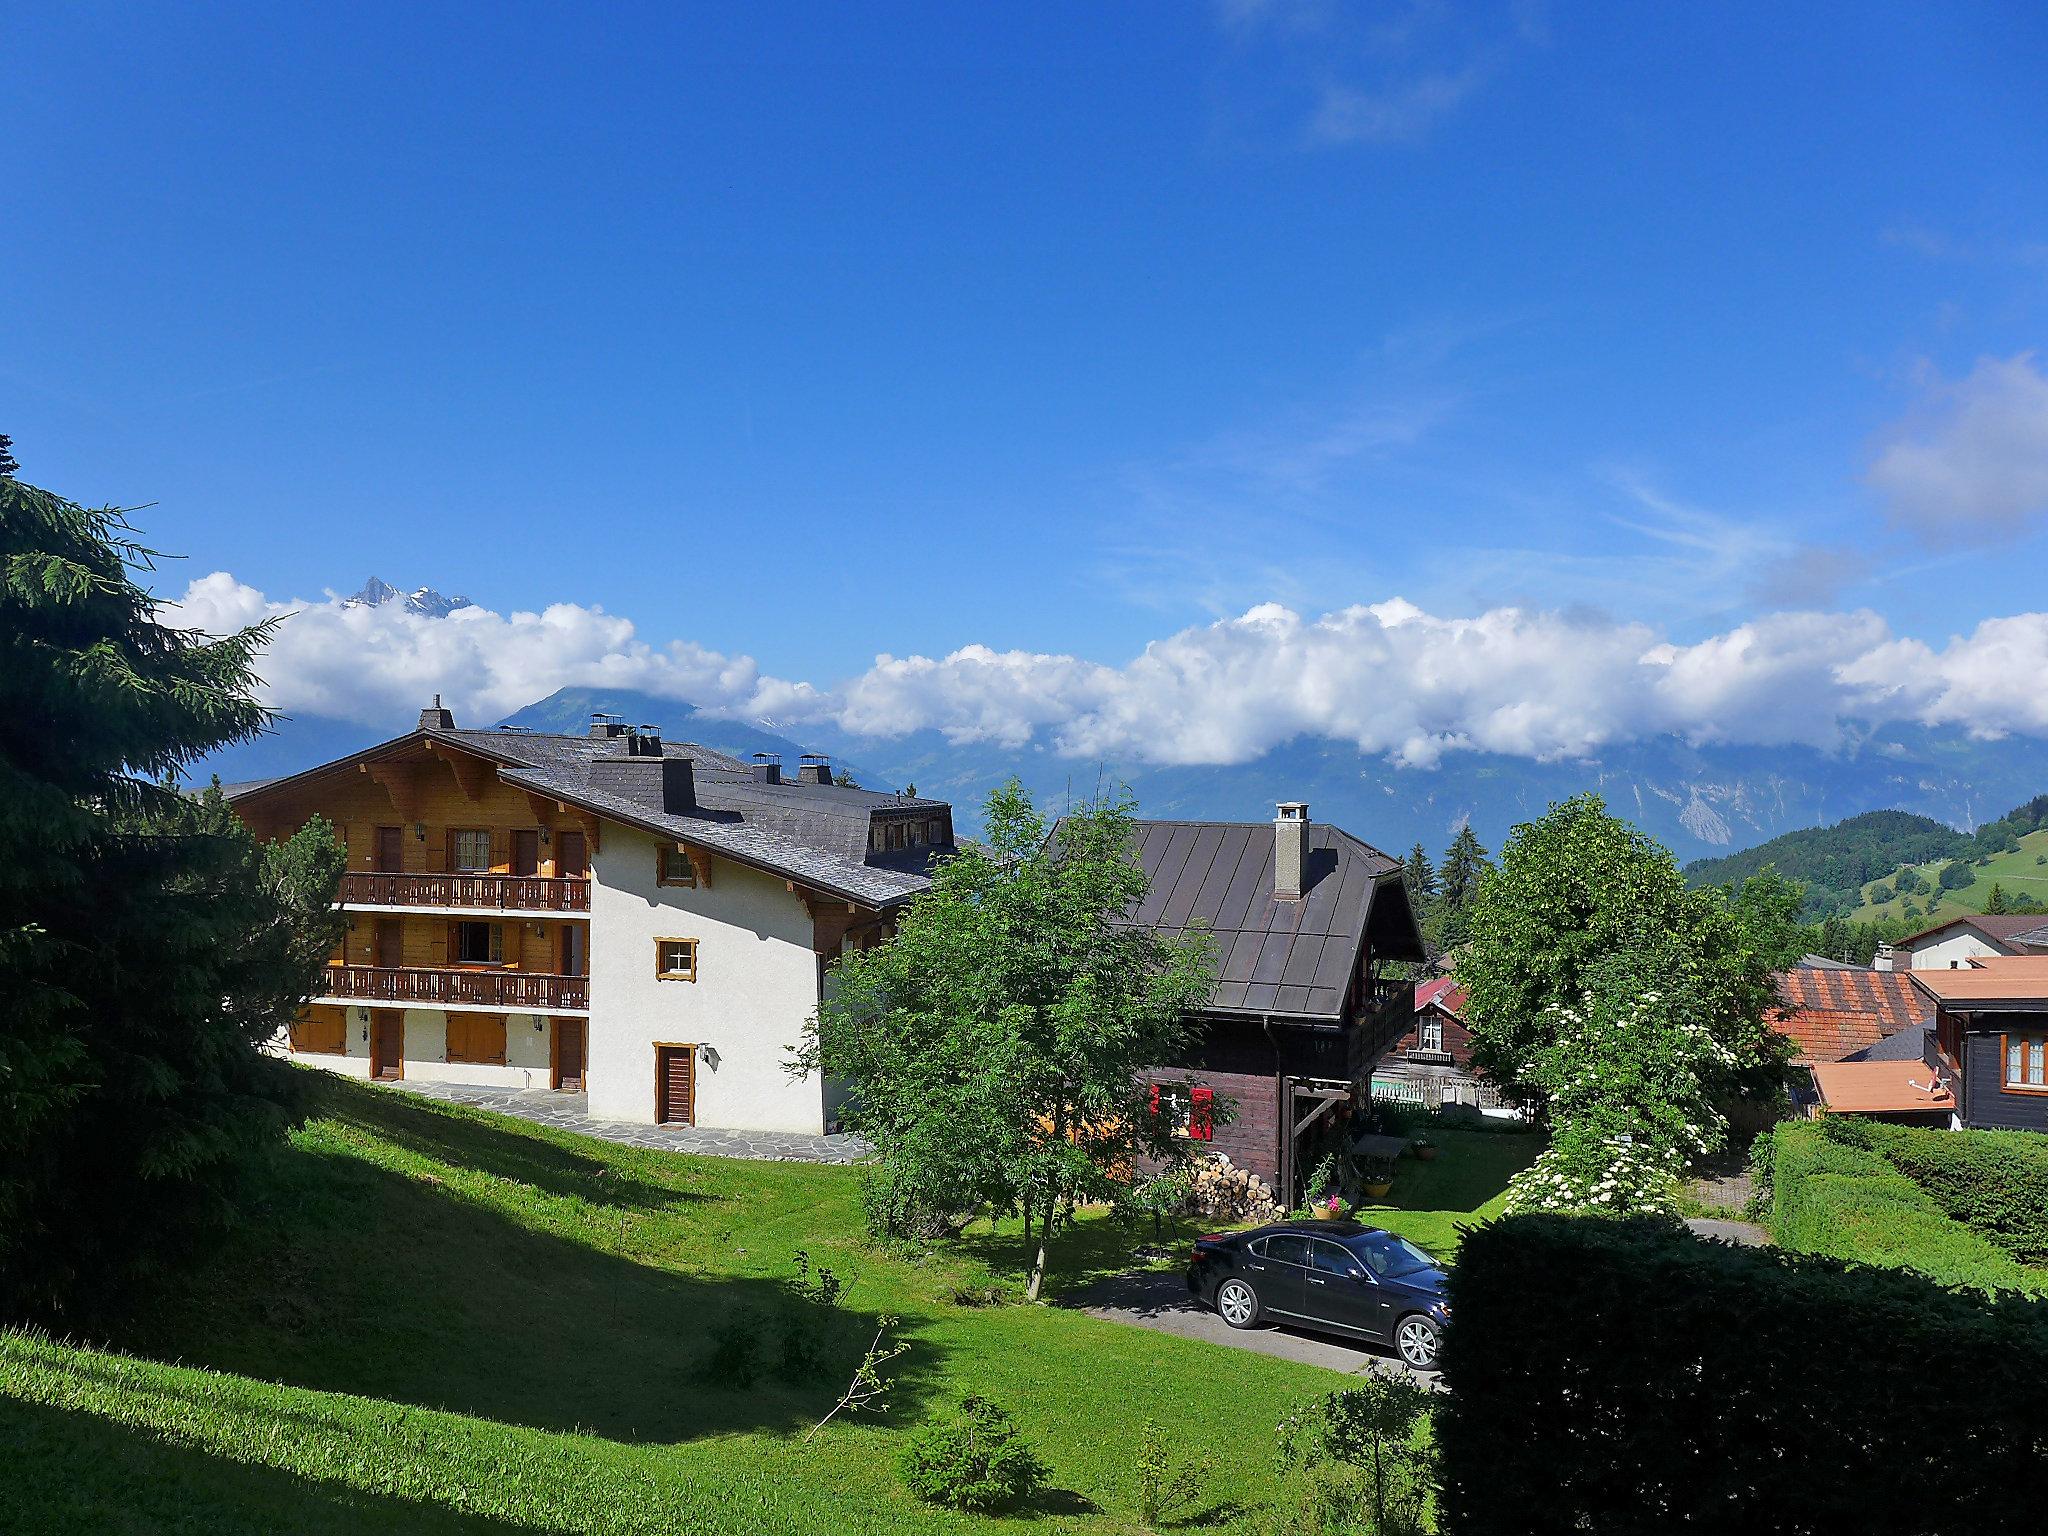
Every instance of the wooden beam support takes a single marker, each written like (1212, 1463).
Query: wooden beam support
(700, 862)
(472, 774)
(542, 807)
(588, 822)
(803, 896)
(401, 781)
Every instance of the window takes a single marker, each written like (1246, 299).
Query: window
(469, 851)
(321, 1032)
(477, 944)
(895, 835)
(1332, 1259)
(675, 959)
(478, 1038)
(935, 832)
(1429, 1033)
(674, 867)
(1189, 1110)
(1285, 1248)
(2026, 1063)
(878, 839)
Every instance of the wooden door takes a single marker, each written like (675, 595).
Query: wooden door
(675, 1084)
(569, 1055)
(575, 950)
(390, 942)
(387, 1044)
(389, 850)
(572, 855)
(526, 852)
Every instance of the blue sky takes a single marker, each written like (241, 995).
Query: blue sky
(810, 333)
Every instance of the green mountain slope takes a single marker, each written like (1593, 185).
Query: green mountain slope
(2022, 874)
(1842, 857)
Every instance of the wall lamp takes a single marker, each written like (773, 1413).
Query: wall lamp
(709, 1055)
(419, 831)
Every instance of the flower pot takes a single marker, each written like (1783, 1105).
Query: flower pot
(1378, 1190)
(1424, 1152)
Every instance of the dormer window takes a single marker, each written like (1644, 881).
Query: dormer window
(915, 832)
(675, 867)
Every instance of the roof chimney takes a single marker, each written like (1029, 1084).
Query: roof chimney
(664, 784)
(437, 718)
(1290, 849)
(814, 768)
(767, 768)
(604, 727)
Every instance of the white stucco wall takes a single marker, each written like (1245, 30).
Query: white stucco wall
(1955, 949)
(526, 1052)
(757, 984)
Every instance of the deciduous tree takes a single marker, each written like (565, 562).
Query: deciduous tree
(999, 1040)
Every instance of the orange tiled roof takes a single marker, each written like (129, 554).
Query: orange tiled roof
(1879, 1087)
(1832, 1013)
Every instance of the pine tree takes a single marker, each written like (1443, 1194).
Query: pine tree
(1996, 905)
(8, 463)
(148, 945)
(1465, 865)
(1421, 879)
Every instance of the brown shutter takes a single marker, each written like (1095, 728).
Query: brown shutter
(453, 947)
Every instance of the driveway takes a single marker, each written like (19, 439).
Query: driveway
(1159, 1300)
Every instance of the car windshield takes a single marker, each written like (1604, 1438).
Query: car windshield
(1385, 1254)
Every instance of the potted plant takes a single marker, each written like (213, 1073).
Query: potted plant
(1330, 1209)
(1376, 1174)
(1423, 1148)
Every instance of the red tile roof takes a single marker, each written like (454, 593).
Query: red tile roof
(1832, 1013)
(1444, 992)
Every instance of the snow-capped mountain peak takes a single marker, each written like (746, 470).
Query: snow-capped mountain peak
(376, 593)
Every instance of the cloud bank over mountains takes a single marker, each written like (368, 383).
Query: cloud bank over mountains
(1387, 677)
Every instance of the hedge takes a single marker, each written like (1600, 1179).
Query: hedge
(1622, 1377)
(1831, 1195)
(1993, 1182)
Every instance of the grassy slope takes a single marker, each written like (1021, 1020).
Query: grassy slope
(2016, 871)
(445, 1321)
(1432, 1202)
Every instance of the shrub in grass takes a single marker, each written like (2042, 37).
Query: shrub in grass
(1165, 1484)
(735, 1359)
(971, 1457)
(1373, 1431)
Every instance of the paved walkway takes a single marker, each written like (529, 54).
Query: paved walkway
(1744, 1234)
(1159, 1300)
(571, 1112)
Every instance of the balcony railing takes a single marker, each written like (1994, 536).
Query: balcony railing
(486, 989)
(1389, 1014)
(504, 893)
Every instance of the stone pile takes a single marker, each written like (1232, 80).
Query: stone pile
(1220, 1190)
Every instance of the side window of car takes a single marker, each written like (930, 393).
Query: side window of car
(1333, 1260)
(1287, 1248)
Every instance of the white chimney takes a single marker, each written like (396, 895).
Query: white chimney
(1290, 849)
(1886, 958)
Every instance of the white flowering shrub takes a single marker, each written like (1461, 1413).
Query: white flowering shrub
(1626, 1075)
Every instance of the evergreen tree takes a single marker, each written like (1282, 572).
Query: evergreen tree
(1465, 866)
(148, 945)
(1995, 905)
(1420, 875)
(8, 463)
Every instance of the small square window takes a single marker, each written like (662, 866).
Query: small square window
(471, 851)
(675, 867)
(675, 959)
(479, 944)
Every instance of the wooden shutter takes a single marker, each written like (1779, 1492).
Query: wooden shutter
(1200, 1125)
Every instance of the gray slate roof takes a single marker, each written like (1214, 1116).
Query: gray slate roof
(1293, 958)
(816, 834)
(1908, 1044)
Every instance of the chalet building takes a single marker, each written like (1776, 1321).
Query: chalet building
(1306, 920)
(644, 922)
(1956, 941)
(1431, 1064)
(1988, 1048)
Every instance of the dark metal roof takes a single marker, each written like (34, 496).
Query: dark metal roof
(1284, 958)
(816, 834)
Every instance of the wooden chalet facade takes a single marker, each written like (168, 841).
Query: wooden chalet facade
(1989, 1044)
(642, 922)
(1306, 921)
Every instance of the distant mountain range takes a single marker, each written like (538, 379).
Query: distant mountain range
(1701, 801)
(425, 600)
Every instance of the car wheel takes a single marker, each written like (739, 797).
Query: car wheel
(1418, 1341)
(1238, 1303)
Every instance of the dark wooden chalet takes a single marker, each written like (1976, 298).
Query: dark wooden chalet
(1989, 1044)
(1306, 920)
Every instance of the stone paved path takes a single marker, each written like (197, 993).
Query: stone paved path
(570, 1112)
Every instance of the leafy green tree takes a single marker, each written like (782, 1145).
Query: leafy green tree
(1766, 908)
(1465, 866)
(1955, 875)
(1578, 888)
(148, 945)
(1910, 882)
(1000, 1041)
(1881, 894)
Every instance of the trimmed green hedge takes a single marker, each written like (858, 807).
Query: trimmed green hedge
(1993, 1182)
(1624, 1377)
(1834, 1196)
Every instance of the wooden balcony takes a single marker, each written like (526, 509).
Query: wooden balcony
(497, 893)
(516, 991)
(1389, 1013)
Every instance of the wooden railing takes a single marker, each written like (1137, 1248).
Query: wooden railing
(522, 893)
(1389, 1014)
(487, 989)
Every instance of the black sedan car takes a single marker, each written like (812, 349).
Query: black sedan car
(1333, 1275)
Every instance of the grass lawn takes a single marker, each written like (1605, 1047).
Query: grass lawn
(440, 1320)
(2023, 872)
(1431, 1203)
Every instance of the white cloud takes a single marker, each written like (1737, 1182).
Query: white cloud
(1971, 461)
(1389, 678)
